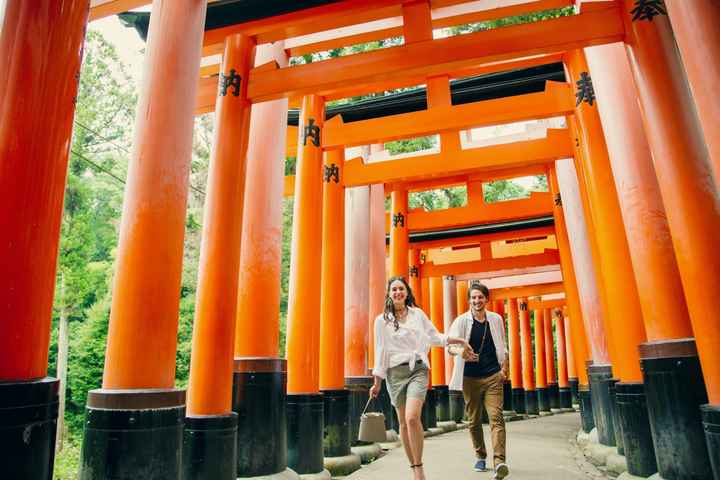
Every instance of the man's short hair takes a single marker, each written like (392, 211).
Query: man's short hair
(475, 285)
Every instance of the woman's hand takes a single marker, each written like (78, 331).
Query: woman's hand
(375, 390)
(469, 354)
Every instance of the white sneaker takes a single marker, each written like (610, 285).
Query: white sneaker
(501, 471)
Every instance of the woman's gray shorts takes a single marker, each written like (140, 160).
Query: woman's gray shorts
(403, 383)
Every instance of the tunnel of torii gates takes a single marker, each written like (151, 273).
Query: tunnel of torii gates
(617, 264)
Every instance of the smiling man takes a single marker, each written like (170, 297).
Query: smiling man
(481, 375)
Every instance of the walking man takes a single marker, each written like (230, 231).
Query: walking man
(481, 375)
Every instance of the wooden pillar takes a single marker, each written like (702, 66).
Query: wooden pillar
(303, 337)
(540, 370)
(551, 376)
(461, 297)
(425, 294)
(260, 248)
(414, 274)
(376, 257)
(357, 280)
(626, 331)
(148, 268)
(562, 351)
(332, 291)
(682, 165)
(399, 239)
(450, 312)
(140, 367)
(211, 366)
(572, 361)
(578, 336)
(436, 316)
(515, 346)
(33, 167)
(528, 370)
(690, 194)
(642, 210)
(41, 46)
(259, 377)
(695, 25)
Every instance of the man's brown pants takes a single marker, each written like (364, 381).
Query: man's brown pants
(488, 392)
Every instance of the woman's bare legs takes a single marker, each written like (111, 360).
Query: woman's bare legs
(413, 409)
(404, 434)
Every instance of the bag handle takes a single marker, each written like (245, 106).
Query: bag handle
(370, 399)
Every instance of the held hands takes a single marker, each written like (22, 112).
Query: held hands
(469, 354)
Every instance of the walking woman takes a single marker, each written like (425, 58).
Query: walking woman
(403, 337)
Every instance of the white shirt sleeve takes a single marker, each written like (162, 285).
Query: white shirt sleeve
(380, 368)
(437, 339)
(455, 333)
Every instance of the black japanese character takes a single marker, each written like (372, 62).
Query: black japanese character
(398, 220)
(647, 9)
(414, 272)
(585, 91)
(312, 131)
(227, 81)
(558, 200)
(331, 172)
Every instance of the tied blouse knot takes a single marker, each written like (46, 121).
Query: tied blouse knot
(409, 344)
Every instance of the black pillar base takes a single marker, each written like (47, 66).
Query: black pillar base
(336, 435)
(553, 390)
(305, 419)
(711, 424)
(133, 434)
(457, 406)
(635, 426)
(617, 428)
(543, 399)
(391, 422)
(531, 402)
(675, 389)
(565, 397)
(428, 416)
(574, 384)
(210, 448)
(587, 417)
(359, 388)
(599, 376)
(259, 391)
(518, 400)
(507, 397)
(442, 402)
(28, 422)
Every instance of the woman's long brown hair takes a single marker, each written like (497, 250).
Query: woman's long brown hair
(390, 306)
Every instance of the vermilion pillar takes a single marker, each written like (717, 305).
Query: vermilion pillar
(551, 376)
(376, 260)
(425, 294)
(457, 402)
(695, 25)
(209, 391)
(626, 332)
(690, 195)
(332, 305)
(259, 375)
(303, 338)
(461, 298)
(564, 392)
(540, 371)
(515, 350)
(357, 280)
(414, 274)
(399, 239)
(210, 386)
(436, 316)
(38, 81)
(577, 335)
(569, 347)
(528, 370)
(261, 248)
(305, 411)
(450, 312)
(142, 332)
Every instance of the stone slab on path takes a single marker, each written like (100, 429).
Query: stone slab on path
(540, 448)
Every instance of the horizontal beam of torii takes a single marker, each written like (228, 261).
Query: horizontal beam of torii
(475, 240)
(534, 304)
(527, 291)
(412, 64)
(550, 257)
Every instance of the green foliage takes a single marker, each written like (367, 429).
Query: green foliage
(410, 145)
(500, 190)
(514, 20)
(67, 462)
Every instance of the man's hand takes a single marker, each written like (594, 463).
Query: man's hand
(469, 354)
(375, 390)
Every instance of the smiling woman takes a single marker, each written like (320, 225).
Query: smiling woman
(403, 337)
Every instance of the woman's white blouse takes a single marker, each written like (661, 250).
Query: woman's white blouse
(410, 343)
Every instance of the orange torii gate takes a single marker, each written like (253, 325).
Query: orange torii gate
(620, 207)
